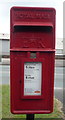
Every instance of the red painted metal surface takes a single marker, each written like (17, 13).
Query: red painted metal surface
(32, 30)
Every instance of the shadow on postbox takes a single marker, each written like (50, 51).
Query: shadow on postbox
(32, 54)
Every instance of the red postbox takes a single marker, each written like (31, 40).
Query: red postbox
(32, 54)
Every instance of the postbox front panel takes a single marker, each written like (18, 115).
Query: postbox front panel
(32, 46)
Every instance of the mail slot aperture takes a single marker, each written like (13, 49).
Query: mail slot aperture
(33, 28)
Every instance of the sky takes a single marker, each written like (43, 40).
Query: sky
(5, 6)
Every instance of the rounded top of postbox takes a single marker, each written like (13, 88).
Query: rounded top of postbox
(34, 8)
(32, 15)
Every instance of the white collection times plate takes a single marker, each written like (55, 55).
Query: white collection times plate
(32, 78)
